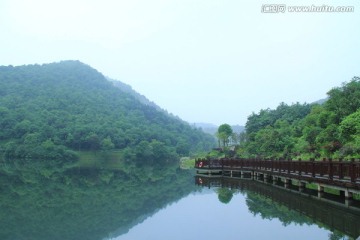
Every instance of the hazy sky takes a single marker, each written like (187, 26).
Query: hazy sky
(210, 61)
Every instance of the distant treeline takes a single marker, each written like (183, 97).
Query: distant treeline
(330, 130)
(53, 110)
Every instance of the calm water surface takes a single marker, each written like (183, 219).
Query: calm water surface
(41, 201)
(202, 216)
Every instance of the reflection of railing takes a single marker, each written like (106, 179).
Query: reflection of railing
(334, 217)
(339, 173)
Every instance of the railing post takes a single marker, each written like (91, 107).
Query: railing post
(288, 166)
(299, 167)
(322, 167)
(352, 170)
(331, 169)
(312, 160)
(341, 171)
(279, 165)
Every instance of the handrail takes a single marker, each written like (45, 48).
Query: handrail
(332, 170)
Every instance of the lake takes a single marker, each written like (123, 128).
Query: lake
(55, 201)
(202, 216)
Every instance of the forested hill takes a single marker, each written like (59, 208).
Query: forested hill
(128, 89)
(327, 130)
(50, 110)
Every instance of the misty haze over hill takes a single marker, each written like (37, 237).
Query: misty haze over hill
(212, 128)
(51, 110)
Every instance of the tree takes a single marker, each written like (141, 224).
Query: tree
(350, 134)
(224, 133)
(224, 195)
(144, 152)
(92, 142)
(344, 100)
(182, 147)
(350, 126)
(107, 144)
(235, 138)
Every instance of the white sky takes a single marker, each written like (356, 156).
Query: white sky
(210, 61)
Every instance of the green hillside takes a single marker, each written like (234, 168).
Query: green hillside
(327, 130)
(53, 110)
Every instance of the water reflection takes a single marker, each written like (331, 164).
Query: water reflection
(40, 201)
(53, 201)
(271, 202)
(225, 195)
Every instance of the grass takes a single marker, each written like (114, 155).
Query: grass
(109, 159)
(115, 160)
(327, 190)
(187, 163)
(356, 196)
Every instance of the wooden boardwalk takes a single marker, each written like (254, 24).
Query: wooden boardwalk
(327, 173)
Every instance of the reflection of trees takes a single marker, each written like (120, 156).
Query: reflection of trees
(40, 201)
(271, 202)
(337, 236)
(225, 195)
(268, 209)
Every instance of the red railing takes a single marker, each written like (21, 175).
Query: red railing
(328, 169)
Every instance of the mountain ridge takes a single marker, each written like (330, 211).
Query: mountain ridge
(50, 110)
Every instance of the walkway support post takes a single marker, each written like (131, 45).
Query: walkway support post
(320, 191)
(287, 182)
(301, 186)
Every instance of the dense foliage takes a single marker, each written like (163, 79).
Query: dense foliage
(308, 130)
(50, 110)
